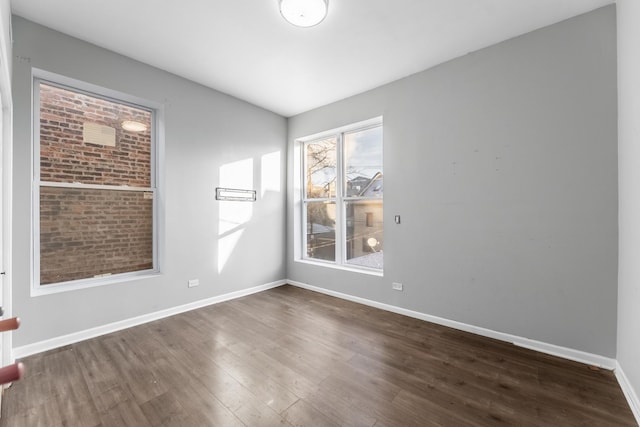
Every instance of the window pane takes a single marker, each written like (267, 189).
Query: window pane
(321, 232)
(83, 139)
(363, 163)
(365, 240)
(88, 233)
(320, 174)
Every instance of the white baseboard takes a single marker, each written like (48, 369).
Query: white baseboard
(629, 392)
(38, 347)
(566, 353)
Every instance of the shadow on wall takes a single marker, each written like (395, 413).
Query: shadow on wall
(234, 215)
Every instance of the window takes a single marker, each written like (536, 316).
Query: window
(94, 187)
(342, 198)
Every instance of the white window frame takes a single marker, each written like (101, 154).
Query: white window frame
(157, 134)
(300, 218)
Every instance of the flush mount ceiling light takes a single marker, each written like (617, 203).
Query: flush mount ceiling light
(304, 13)
(133, 126)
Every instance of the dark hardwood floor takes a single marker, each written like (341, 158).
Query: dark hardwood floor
(288, 356)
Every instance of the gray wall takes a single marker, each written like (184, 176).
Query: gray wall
(5, 16)
(207, 132)
(629, 184)
(503, 165)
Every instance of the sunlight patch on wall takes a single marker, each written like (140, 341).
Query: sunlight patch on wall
(226, 246)
(233, 216)
(271, 172)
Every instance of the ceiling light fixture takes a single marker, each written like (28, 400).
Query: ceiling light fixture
(304, 13)
(133, 126)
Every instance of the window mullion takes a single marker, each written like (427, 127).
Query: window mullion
(303, 205)
(94, 186)
(341, 229)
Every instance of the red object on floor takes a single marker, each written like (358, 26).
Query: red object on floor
(9, 324)
(11, 373)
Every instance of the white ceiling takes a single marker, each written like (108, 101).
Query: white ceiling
(245, 48)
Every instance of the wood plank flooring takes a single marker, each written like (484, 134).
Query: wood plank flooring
(292, 357)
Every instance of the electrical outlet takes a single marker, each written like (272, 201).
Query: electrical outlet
(396, 286)
(193, 282)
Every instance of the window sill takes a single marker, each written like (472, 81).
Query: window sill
(353, 269)
(91, 283)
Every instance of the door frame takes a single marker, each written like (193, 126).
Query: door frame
(6, 162)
